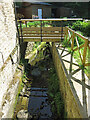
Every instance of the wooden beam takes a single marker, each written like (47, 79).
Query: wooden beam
(87, 64)
(79, 47)
(44, 39)
(81, 36)
(43, 29)
(47, 35)
(34, 33)
(85, 51)
(68, 19)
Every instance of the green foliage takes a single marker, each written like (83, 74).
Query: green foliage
(59, 104)
(77, 25)
(23, 62)
(64, 43)
(54, 93)
(36, 24)
(36, 45)
(80, 40)
(84, 27)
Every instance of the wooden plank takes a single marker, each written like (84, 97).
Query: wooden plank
(51, 40)
(31, 28)
(42, 32)
(43, 29)
(44, 39)
(68, 19)
(89, 44)
(87, 64)
(72, 43)
(66, 33)
(70, 29)
(79, 47)
(81, 36)
(52, 28)
(85, 51)
(69, 39)
(44, 35)
(40, 37)
(31, 40)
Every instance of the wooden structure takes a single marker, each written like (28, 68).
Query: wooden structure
(43, 34)
(30, 10)
(73, 37)
(54, 34)
(58, 34)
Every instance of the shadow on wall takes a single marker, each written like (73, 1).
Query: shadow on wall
(23, 47)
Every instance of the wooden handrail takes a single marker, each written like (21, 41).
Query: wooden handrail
(83, 37)
(68, 19)
(85, 45)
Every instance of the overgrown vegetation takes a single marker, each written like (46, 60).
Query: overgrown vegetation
(37, 24)
(55, 95)
(56, 100)
(82, 26)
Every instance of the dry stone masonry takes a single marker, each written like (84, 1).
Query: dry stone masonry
(9, 55)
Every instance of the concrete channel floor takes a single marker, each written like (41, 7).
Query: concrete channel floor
(38, 103)
(78, 75)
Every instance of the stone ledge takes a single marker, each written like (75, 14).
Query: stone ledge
(73, 106)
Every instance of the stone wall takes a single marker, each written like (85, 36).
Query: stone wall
(73, 107)
(9, 54)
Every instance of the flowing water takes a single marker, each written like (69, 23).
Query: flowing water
(34, 95)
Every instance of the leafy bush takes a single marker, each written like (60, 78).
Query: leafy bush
(82, 26)
(54, 93)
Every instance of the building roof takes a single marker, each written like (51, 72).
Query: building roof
(41, 3)
(32, 3)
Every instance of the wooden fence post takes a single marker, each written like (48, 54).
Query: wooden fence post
(72, 45)
(85, 51)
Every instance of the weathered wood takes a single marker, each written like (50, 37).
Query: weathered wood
(68, 19)
(89, 44)
(66, 34)
(81, 36)
(87, 64)
(42, 35)
(85, 45)
(79, 47)
(84, 52)
(52, 33)
(69, 39)
(43, 29)
(72, 43)
(44, 39)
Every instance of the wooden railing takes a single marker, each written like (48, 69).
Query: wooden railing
(43, 34)
(72, 37)
(54, 34)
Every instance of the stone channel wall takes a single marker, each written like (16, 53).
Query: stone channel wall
(73, 107)
(9, 56)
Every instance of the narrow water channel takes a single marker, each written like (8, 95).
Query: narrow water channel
(38, 105)
(34, 101)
